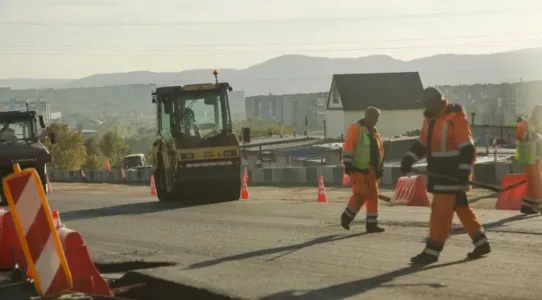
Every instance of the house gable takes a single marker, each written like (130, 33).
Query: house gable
(334, 98)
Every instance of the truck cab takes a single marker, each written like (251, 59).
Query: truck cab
(21, 142)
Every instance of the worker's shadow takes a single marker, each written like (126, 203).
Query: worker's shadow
(499, 223)
(480, 198)
(356, 287)
(284, 250)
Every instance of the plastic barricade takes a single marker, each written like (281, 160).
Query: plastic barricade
(410, 191)
(36, 233)
(511, 199)
(86, 278)
(11, 253)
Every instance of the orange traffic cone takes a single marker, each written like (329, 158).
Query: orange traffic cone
(123, 175)
(245, 174)
(244, 189)
(322, 197)
(153, 187)
(346, 180)
(49, 187)
(56, 219)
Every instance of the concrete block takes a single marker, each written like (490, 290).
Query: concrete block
(70, 175)
(516, 168)
(490, 173)
(328, 172)
(267, 175)
(301, 175)
(387, 177)
(311, 175)
(101, 176)
(338, 172)
(277, 175)
(147, 175)
(256, 176)
(320, 171)
(501, 170)
(485, 173)
(131, 175)
(291, 176)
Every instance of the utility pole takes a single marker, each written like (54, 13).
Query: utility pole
(325, 131)
(306, 125)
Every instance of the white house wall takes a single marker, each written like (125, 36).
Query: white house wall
(334, 123)
(391, 123)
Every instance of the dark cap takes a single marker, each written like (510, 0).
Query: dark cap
(431, 93)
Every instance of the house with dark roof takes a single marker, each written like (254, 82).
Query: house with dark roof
(395, 94)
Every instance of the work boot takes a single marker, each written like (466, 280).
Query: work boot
(345, 221)
(430, 254)
(374, 228)
(528, 210)
(424, 259)
(479, 251)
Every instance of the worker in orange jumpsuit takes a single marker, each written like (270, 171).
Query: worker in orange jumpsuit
(363, 152)
(528, 153)
(446, 142)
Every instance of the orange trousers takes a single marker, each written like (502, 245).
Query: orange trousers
(364, 191)
(533, 193)
(443, 207)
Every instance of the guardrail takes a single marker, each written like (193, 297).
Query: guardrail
(490, 173)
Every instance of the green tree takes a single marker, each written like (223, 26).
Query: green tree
(114, 148)
(95, 160)
(141, 140)
(69, 151)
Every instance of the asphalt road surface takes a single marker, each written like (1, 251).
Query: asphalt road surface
(266, 248)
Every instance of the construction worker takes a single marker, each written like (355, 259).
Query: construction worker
(446, 142)
(363, 152)
(528, 153)
(189, 123)
(6, 133)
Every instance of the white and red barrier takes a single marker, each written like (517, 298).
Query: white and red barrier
(410, 191)
(11, 253)
(36, 232)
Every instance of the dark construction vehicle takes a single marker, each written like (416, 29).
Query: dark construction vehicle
(20, 142)
(196, 150)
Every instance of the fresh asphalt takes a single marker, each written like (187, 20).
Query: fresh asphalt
(265, 249)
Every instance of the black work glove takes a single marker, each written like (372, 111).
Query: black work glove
(406, 164)
(348, 168)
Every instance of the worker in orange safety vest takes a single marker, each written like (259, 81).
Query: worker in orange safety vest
(362, 154)
(446, 142)
(528, 152)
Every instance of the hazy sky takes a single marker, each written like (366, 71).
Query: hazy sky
(77, 38)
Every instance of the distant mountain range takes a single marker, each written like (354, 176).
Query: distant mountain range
(304, 74)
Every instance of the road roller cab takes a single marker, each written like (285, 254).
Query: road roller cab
(196, 150)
